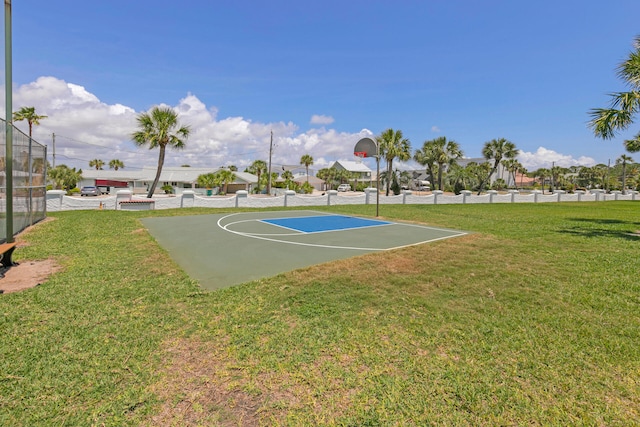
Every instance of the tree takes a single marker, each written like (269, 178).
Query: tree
(115, 164)
(393, 145)
(327, 175)
(427, 158)
(463, 178)
(226, 177)
(624, 160)
(160, 128)
(497, 149)
(440, 152)
(606, 122)
(64, 177)
(307, 161)
(28, 114)
(96, 163)
(207, 180)
(258, 168)
(513, 166)
(543, 174)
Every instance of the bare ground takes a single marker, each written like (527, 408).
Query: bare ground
(27, 274)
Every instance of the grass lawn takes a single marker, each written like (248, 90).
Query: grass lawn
(532, 320)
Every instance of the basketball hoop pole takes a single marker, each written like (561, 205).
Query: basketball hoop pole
(368, 147)
(377, 179)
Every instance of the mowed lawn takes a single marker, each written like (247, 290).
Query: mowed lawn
(534, 319)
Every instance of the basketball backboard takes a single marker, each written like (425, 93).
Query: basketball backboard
(366, 147)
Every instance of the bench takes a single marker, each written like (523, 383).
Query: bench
(6, 250)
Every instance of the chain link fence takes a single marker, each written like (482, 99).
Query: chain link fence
(29, 181)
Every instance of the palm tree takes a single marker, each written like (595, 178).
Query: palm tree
(258, 168)
(307, 161)
(393, 145)
(463, 178)
(497, 149)
(624, 160)
(427, 158)
(115, 164)
(443, 153)
(605, 122)
(28, 114)
(208, 181)
(158, 129)
(288, 179)
(226, 177)
(65, 177)
(327, 175)
(513, 166)
(542, 173)
(96, 163)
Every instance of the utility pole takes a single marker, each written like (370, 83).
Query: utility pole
(269, 176)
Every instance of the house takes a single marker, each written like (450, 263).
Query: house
(359, 171)
(139, 181)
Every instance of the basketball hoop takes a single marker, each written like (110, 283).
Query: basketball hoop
(368, 147)
(360, 155)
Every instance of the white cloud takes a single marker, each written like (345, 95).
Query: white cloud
(318, 119)
(87, 128)
(545, 158)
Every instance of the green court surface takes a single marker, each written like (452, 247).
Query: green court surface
(228, 249)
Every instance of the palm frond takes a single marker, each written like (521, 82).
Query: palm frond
(632, 145)
(605, 122)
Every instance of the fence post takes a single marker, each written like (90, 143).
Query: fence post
(436, 193)
(559, 193)
(330, 194)
(535, 195)
(405, 193)
(122, 195)
(287, 194)
(187, 195)
(241, 194)
(368, 192)
(465, 194)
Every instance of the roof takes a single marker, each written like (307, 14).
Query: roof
(351, 166)
(169, 174)
(312, 180)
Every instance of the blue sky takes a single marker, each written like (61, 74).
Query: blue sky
(318, 73)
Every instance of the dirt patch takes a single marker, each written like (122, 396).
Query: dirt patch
(27, 274)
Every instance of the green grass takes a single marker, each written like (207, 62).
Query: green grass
(532, 319)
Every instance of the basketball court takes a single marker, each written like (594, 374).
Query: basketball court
(228, 249)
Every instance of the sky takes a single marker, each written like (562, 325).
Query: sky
(320, 75)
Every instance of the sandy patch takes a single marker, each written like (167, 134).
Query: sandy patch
(27, 274)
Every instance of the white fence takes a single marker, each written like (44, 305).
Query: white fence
(58, 201)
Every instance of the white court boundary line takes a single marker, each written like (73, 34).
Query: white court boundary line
(262, 236)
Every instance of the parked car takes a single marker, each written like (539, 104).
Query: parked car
(344, 187)
(90, 191)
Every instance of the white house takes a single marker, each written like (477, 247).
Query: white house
(360, 171)
(139, 181)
